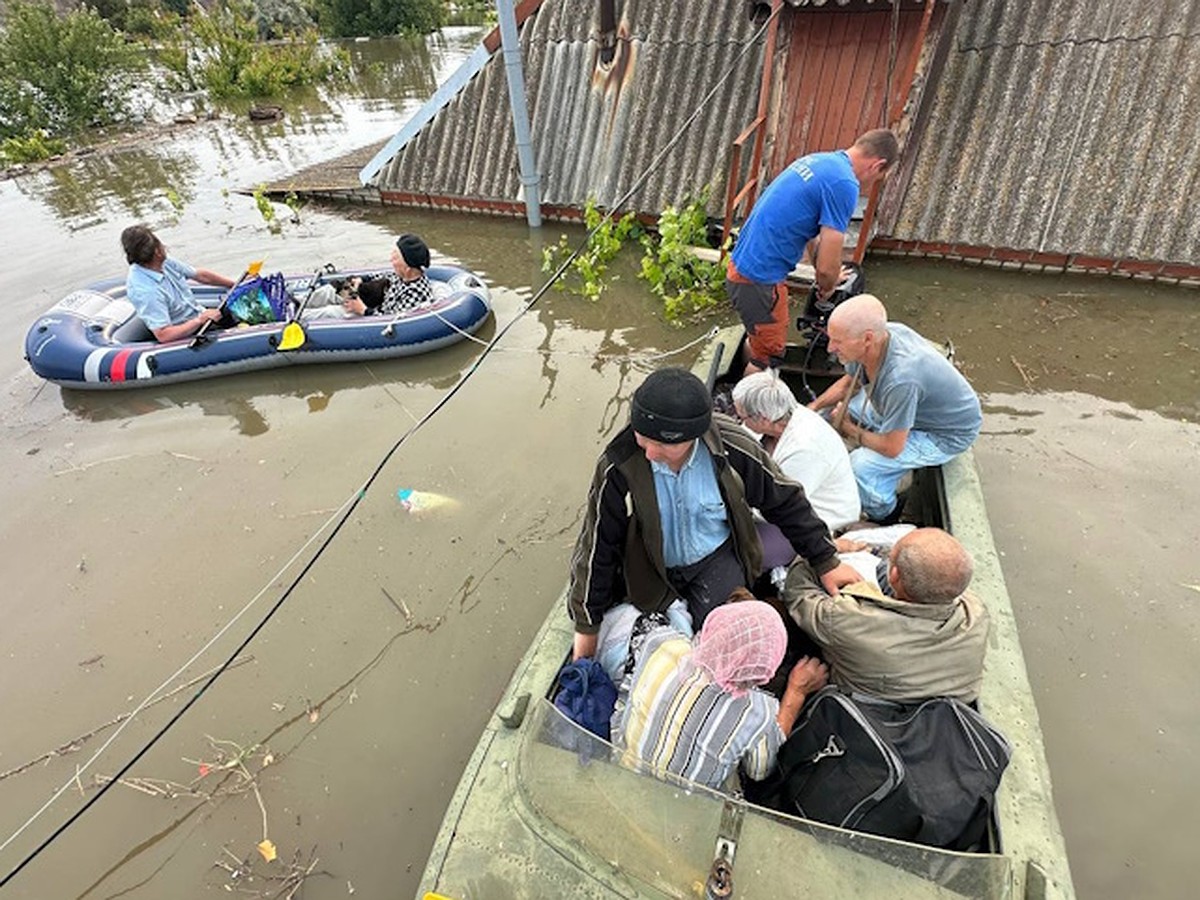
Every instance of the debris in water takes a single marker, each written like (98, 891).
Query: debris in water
(267, 849)
(423, 501)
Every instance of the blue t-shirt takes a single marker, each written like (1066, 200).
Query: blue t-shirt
(816, 191)
(918, 389)
(162, 298)
(694, 521)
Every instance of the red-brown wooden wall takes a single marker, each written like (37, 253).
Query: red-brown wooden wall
(836, 75)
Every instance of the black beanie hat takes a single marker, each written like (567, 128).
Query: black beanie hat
(671, 407)
(414, 250)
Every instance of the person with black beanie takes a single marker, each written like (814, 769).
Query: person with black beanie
(405, 287)
(669, 513)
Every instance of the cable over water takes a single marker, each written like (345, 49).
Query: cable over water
(339, 518)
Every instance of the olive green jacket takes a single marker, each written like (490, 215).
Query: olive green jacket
(894, 649)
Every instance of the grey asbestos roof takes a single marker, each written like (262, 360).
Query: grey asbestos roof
(1065, 126)
(595, 130)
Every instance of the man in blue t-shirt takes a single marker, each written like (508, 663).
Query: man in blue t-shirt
(915, 408)
(813, 198)
(158, 288)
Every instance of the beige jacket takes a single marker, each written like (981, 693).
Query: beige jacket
(889, 648)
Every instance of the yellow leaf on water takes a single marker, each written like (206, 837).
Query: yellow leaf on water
(313, 715)
(267, 849)
(1194, 587)
(268, 759)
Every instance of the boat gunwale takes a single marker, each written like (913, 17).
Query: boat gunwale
(1032, 837)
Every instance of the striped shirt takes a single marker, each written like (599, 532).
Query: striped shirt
(672, 717)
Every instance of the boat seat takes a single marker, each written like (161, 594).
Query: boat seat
(133, 330)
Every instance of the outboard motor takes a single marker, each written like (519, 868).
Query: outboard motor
(811, 325)
(812, 321)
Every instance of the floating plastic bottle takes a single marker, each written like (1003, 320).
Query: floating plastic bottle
(417, 502)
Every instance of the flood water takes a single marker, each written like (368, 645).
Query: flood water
(136, 525)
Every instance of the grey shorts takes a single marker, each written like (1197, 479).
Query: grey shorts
(753, 302)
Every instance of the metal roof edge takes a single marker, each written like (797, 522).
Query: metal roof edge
(446, 92)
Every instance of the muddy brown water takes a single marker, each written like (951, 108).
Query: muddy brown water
(135, 525)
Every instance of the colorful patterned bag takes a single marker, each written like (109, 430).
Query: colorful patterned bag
(259, 299)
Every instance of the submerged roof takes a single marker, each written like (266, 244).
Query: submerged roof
(596, 127)
(1065, 126)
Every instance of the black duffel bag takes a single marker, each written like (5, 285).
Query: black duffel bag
(925, 772)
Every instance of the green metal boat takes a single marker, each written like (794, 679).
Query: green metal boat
(544, 810)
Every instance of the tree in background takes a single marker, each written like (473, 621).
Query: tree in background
(61, 74)
(354, 18)
(222, 52)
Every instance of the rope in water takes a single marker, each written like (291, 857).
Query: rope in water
(340, 517)
(632, 357)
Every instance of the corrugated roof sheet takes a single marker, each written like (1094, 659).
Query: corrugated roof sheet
(1065, 126)
(596, 129)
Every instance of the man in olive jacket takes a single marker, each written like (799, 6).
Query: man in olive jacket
(926, 641)
(669, 512)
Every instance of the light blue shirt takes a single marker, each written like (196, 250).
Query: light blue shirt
(918, 389)
(162, 298)
(694, 521)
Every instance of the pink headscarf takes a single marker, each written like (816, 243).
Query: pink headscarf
(741, 645)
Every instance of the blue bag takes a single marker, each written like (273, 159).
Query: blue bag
(587, 696)
(259, 299)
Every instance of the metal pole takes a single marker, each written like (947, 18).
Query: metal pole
(520, 110)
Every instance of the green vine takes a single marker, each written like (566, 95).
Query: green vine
(266, 208)
(684, 282)
(585, 275)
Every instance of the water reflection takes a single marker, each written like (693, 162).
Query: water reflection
(1124, 341)
(132, 184)
(162, 178)
(395, 67)
(242, 398)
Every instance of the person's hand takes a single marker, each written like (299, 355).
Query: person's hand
(849, 545)
(355, 306)
(585, 645)
(209, 315)
(808, 675)
(837, 578)
(846, 273)
(845, 425)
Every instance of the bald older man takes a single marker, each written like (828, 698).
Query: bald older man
(927, 641)
(914, 408)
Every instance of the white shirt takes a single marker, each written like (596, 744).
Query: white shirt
(811, 452)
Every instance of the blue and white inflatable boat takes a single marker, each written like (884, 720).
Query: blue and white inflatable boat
(91, 339)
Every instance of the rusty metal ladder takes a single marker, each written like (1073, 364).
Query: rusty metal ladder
(736, 195)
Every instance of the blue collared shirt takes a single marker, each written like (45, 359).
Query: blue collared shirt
(694, 521)
(162, 298)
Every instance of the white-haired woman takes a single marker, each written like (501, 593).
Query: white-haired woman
(802, 444)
